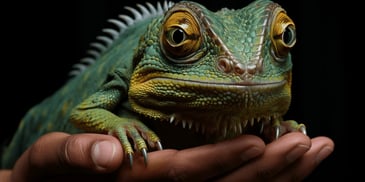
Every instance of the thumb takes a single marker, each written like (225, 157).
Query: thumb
(60, 154)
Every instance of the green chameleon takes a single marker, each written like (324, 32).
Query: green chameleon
(175, 66)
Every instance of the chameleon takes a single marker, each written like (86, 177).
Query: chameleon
(212, 75)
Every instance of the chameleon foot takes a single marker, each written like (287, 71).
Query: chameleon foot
(282, 127)
(140, 135)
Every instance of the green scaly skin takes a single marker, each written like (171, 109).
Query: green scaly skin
(220, 74)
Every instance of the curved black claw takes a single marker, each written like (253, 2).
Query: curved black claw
(130, 157)
(282, 127)
(144, 153)
(302, 129)
(159, 145)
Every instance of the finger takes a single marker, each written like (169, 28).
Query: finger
(321, 148)
(277, 156)
(60, 153)
(5, 175)
(195, 164)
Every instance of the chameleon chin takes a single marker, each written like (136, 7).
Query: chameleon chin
(175, 73)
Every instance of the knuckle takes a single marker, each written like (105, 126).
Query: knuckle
(72, 149)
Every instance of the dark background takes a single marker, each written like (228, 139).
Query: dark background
(43, 40)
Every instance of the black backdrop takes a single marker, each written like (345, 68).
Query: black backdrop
(43, 40)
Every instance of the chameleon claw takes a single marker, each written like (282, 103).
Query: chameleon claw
(144, 153)
(159, 145)
(302, 129)
(280, 128)
(130, 157)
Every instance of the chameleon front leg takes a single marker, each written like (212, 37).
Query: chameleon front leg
(95, 115)
(280, 127)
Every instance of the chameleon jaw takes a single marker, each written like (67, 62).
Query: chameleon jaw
(223, 127)
(199, 127)
(269, 127)
(213, 109)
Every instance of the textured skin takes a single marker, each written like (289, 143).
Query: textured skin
(227, 75)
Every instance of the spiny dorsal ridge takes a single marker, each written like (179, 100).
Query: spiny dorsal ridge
(105, 41)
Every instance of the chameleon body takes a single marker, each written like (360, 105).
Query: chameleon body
(218, 74)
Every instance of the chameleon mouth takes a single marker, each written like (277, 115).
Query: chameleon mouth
(220, 123)
(204, 87)
(168, 95)
(226, 109)
(242, 85)
(222, 128)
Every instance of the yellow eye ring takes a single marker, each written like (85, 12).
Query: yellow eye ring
(181, 36)
(283, 34)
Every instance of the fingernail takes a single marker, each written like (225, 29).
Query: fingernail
(297, 152)
(102, 153)
(250, 153)
(324, 153)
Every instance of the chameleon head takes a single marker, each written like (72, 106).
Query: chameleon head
(217, 72)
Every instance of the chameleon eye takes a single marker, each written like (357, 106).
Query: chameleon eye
(283, 35)
(181, 37)
(176, 36)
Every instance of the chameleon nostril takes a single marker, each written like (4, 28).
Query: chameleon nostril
(225, 65)
(239, 69)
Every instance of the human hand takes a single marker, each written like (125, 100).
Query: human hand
(290, 158)
(92, 157)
